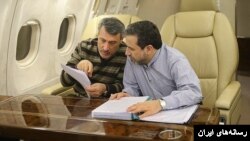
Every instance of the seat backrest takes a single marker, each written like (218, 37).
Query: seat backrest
(208, 41)
(199, 5)
(91, 28)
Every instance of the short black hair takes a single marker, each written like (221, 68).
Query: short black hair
(147, 34)
(112, 25)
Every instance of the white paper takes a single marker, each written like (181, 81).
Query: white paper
(78, 75)
(117, 109)
(181, 115)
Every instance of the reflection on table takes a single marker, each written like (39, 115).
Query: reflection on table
(44, 117)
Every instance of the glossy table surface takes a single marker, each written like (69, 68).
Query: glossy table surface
(56, 118)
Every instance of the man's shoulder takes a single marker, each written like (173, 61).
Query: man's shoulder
(89, 43)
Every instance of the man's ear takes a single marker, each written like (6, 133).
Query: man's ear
(149, 48)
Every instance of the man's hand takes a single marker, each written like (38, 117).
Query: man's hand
(147, 108)
(96, 89)
(85, 66)
(118, 95)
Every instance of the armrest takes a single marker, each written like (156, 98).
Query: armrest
(55, 89)
(228, 96)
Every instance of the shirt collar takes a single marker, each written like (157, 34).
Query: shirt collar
(156, 56)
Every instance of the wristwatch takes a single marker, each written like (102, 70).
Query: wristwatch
(163, 104)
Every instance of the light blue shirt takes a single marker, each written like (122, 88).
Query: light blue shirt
(168, 76)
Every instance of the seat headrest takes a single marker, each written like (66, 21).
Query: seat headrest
(194, 24)
(199, 5)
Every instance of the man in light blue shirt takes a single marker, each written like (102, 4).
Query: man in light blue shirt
(156, 70)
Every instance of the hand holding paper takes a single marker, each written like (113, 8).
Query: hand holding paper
(78, 75)
(85, 66)
(96, 89)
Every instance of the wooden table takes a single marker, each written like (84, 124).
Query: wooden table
(55, 118)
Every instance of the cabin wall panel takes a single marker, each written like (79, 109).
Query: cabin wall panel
(7, 8)
(44, 71)
(243, 18)
(158, 10)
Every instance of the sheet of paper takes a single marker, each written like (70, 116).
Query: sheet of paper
(117, 109)
(78, 75)
(179, 116)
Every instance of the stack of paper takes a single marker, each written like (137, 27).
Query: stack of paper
(181, 115)
(117, 109)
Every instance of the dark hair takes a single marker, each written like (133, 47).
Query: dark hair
(147, 34)
(112, 25)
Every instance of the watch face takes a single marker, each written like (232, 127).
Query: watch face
(163, 103)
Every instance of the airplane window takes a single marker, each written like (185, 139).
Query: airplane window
(27, 42)
(63, 33)
(23, 42)
(66, 33)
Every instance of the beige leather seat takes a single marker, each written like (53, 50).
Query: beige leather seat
(91, 28)
(207, 39)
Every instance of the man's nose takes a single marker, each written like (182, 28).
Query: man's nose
(106, 46)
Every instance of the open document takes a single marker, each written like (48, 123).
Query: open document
(78, 75)
(179, 116)
(117, 109)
